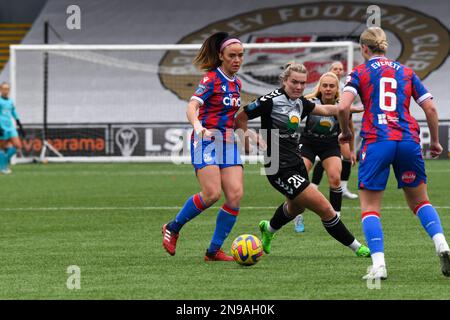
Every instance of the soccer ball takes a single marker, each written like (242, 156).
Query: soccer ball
(247, 249)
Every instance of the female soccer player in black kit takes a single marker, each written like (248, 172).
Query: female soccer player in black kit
(320, 139)
(281, 112)
(347, 150)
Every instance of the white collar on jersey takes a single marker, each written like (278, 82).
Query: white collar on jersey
(377, 57)
(226, 77)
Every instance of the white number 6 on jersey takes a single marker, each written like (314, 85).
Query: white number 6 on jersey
(386, 94)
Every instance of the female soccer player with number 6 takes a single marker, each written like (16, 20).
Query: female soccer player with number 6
(390, 136)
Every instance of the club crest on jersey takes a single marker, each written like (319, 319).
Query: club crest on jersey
(224, 88)
(408, 176)
(207, 157)
(348, 79)
(294, 121)
(324, 125)
(363, 156)
(205, 79)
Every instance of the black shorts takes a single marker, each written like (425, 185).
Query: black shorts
(323, 150)
(290, 181)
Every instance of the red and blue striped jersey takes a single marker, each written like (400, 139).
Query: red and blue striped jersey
(219, 98)
(386, 87)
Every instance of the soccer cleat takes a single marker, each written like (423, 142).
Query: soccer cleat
(299, 225)
(169, 240)
(6, 171)
(266, 236)
(347, 194)
(218, 256)
(376, 273)
(444, 257)
(363, 251)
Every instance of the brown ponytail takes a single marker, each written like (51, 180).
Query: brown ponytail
(208, 56)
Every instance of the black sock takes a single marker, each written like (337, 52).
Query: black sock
(280, 217)
(317, 173)
(336, 198)
(346, 168)
(337, 229)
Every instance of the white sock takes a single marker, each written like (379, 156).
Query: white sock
(440, 243)
(378, 259)
(344, 185)
(355, 245)
(270, 229)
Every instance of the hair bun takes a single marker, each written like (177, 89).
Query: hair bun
(382, 44)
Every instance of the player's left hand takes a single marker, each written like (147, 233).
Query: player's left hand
(22, 132)
(435, 149)
(353, 158)
(345, 137)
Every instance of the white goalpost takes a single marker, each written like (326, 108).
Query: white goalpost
(125, 103)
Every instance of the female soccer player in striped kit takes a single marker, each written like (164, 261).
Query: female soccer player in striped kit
(214, 152)
(391, 136)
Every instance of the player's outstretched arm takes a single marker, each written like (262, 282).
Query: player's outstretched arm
(327, 110)
(332, 110)
(431, 114)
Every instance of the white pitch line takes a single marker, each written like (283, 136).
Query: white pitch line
(167, 208)
(180, 172)
(121, 174)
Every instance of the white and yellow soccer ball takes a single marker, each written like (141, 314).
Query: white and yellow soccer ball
(247, 249)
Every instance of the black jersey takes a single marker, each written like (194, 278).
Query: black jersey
(320, 129)
(278, 111)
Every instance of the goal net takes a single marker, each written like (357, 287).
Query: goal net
(127, 102)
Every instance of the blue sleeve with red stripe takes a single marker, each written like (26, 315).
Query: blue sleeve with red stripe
(205, 88)
(353, 83)
(419, 92)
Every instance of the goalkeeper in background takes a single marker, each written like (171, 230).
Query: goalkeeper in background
(9, 136)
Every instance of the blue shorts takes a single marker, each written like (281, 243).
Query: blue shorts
(8, 134)
(218, 153)
(376, 159)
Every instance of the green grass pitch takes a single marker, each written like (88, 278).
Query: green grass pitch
(107, 218)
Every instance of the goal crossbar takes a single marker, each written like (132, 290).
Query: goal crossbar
(139, 47)
(343, 47)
